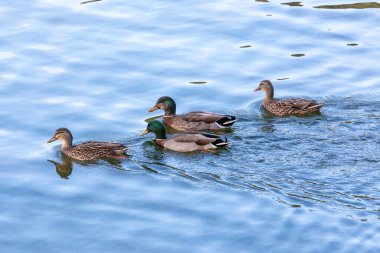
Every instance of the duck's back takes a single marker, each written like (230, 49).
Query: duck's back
(199, 120)
(91, 150)
(292, 106)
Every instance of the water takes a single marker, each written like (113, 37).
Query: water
(307, 184)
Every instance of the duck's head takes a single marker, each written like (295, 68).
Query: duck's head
(267, 87)
(157, 128)
(165, 103)
(64, 135)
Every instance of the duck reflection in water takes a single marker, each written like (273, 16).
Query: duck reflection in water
(65, 168)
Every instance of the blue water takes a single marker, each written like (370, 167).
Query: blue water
(291, 184)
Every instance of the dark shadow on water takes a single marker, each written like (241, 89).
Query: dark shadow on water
(366, 5)
(90, 1)
(297, 55)
(293, 4)
(198, 82)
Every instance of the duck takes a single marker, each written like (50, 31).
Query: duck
(86, 151)
(285, 107)
(186, 142)
(192, 121)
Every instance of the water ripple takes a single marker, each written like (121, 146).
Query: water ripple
(96, 68)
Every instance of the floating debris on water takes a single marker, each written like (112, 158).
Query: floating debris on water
(246, 46)
(283, 78)
(90, 1)
(350, 6)
(297, 4)
(352, 44)
(198, 82)
(297, 55)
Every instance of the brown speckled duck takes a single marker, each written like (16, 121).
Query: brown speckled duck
(89, 150)
(188, 142)
(284, 107)
(192, 121)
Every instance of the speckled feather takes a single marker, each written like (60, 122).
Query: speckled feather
(92, 150)
(284, 107)
(292, 106)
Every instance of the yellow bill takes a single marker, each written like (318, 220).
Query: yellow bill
(153, 108)
(144, 133)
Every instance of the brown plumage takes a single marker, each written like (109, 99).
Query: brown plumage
(89, 150)
(192, 121)
(284, 107)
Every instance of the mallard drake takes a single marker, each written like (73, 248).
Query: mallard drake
(188, 142)
(192, 121)
(284, 107)
(89, 150)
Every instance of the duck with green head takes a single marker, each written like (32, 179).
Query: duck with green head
(285, 107)
(194, 121)
(184, 142)
(89, 150)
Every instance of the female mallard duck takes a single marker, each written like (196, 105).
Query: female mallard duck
(89, 150)
(184, 142)
(284, 107)
(192, 121)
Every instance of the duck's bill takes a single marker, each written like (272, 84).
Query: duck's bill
(257, 89)
(144, 133)
(53, 162)
(52, 139)
(153, 108)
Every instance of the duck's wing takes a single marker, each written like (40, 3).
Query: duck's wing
(209, 118)
(101, 148)
(299, 103)
(200, 139)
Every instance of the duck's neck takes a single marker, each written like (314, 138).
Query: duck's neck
(170, 108)
(67, 143)
(269, 93)
(168, 112)
(160, 134)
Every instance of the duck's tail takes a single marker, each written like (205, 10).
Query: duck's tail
(220, 142)
(226, 121)
(120, 150)
(316, 107)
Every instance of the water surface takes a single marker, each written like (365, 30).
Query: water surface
(308, 184)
